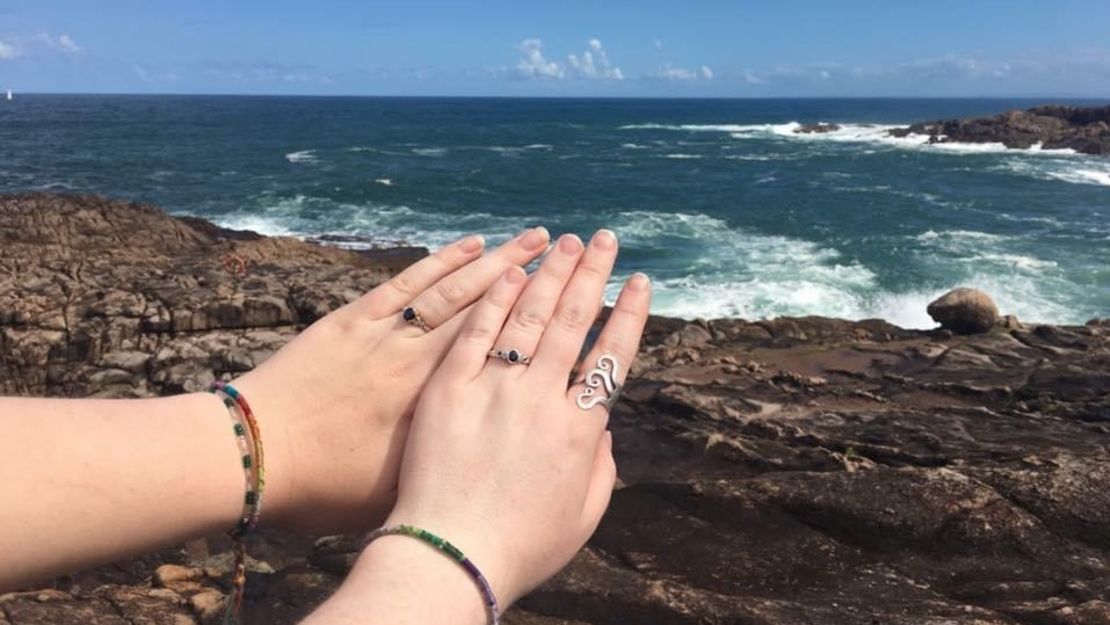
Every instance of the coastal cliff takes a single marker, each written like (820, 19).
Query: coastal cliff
(1085, 130)
(782, 472)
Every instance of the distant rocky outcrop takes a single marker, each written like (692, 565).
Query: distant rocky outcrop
(782, 472)
(818, 128)
(1085, 130)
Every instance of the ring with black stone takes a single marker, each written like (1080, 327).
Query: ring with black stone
(511, 356)
(413, 318)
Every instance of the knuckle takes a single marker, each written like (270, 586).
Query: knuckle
(450, 291)
(402, 283)
(529, 319)
(574, 315)
(594, 270)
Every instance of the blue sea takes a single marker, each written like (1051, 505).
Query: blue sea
(729, 210)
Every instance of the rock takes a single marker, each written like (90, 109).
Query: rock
(773, 472)
(1010, 322)
(1085, 130)
(964, 311)
(819, 128)
(208, 606)
(174, 575)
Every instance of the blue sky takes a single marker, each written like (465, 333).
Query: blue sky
(572, 48)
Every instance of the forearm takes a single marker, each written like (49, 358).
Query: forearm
(398, 580)
(91, 481)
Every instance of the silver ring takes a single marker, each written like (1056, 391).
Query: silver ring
(412, 317)
(511, 356)
(603, 377)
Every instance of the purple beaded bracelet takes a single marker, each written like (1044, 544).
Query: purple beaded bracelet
(453, 552)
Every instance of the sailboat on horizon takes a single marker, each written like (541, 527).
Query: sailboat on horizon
(9, 95)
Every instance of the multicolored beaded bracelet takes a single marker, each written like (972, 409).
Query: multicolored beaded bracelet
(249, 438)
(453, 552)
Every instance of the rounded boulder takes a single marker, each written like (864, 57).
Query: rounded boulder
(964, 311)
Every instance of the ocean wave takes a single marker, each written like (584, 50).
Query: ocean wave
(302, 156)
(388, 182)
(851, 133)
(933, 235)
(433, 152)
(1082, 171)
(682, 155)
(373, 224)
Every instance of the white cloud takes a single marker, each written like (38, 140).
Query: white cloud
(66, 44)
(670, 72)
(752, 78)
(146, 76)
(593, 63)
(657, 44)
(35, 45)
(533, 64)
(9, 51)
(62, 43)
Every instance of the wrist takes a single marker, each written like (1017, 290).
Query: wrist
(278, 494)
(474, 544)
(401, 580)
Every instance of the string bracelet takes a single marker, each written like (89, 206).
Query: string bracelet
(248, 437)
(450, 551)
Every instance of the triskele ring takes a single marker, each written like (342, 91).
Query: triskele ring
(603, 377)
(511, 356)
(412, 317)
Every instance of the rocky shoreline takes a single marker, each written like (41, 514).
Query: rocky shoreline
(783, 472)
(1085, 130)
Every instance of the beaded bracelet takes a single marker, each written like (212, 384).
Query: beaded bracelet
(453, 552)
(249, 438)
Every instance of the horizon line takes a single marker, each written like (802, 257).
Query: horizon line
(567, 97)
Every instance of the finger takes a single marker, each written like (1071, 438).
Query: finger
(456, 291)
(395, 293)
(577, 308)
(483, 324)
(603, 475)
(535, 306)
(620, 338)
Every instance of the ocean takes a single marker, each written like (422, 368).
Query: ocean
(728, 210)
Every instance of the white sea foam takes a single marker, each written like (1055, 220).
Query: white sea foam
(517, 149)
(715, 269)
(302, 156)
(635, 146)
(682, 155)
(434, 152)
(384, 181)
(1077, 169)
(933, 235)
(848, 133)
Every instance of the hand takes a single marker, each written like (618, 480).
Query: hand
(500, 460)
(334, 404)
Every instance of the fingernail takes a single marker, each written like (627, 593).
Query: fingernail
(472, 243)
(570, 244)
(515, 275)
(639, 281)
(605, 239)
(534, 238)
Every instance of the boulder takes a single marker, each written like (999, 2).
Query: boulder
(964, 311)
